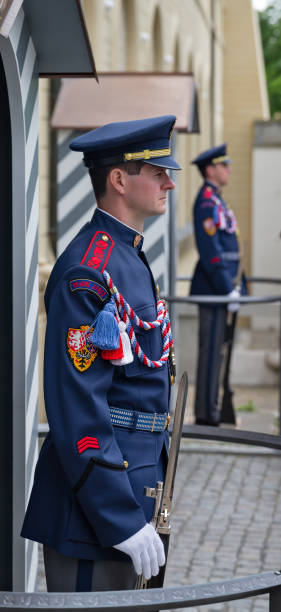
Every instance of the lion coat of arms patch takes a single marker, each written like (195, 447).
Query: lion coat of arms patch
(81, 351)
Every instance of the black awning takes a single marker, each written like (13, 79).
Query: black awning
(60, 37)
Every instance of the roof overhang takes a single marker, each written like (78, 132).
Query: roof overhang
(125, 96)
(60, 37)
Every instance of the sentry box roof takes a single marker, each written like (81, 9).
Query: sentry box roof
(83, 105)
(59, 34)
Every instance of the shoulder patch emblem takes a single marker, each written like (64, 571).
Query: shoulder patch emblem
(209, 226)
(98, 251)
(81, 351)
(85, 284)
(207, 192)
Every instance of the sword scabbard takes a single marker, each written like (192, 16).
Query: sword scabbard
(163, 493)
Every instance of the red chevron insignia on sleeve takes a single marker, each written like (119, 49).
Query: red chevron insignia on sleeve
(98, 251)
(85, 443)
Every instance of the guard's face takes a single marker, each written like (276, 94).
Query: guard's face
(220, 174)
(146, 193)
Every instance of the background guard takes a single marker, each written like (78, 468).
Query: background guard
(216, 234)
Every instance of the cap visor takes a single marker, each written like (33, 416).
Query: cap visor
(163, 162)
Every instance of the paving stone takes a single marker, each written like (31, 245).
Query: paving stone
(226, 523)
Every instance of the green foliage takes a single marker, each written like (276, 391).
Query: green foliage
(270, 24)
(249, 407)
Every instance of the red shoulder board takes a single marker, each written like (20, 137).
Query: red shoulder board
(98, 251)
(207, 193)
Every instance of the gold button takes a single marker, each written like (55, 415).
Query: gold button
(137, 240)
(167, 421)
(104, 237)
(126, 465)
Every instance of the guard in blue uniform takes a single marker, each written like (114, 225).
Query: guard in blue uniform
(106, 374)
(217, 273)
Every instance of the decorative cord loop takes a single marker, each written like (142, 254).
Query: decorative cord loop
(128, 315)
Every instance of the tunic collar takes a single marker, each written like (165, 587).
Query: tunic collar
(210, 184)
(119, 230)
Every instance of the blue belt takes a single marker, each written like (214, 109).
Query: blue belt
(139, 420)
(230, 256)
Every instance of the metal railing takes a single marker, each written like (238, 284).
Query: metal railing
(187, 596)
(151, 599)
(243, 300)
(250, 279)
(176, 597)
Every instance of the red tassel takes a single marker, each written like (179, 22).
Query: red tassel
(115, 353)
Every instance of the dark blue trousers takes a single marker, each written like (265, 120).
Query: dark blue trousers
(212, 326)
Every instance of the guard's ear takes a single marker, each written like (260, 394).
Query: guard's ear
(117, 180)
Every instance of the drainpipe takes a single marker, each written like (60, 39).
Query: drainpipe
(212, 74)
(54, 89)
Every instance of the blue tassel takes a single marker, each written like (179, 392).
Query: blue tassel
(106, 332)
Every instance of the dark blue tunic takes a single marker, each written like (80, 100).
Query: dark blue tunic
(216, 233)
(216, 273)
(82, 508)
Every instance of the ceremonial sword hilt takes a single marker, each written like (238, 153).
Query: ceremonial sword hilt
(162, 510)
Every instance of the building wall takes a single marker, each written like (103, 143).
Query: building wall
(164, 35)
(211, 38)
(167, 35)
(245, 101)
(266, 222)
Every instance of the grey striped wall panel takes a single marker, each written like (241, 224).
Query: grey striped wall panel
(26, 60)
(156, 247)
(75, 199)
(75, 205)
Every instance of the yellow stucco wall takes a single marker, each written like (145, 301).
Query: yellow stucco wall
(245, 100)
(177, 35)
(167, 35)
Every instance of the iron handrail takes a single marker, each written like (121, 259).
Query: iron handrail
(221, 299)
(187, 596)
(249, 279)
(182, 596)
(242, 300)
(171, 597)
(234, 436)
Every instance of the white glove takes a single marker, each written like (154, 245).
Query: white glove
(233, 306)
(146, 550)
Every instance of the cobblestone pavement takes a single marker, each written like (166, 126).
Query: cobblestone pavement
(227, 508)
(226, 521)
